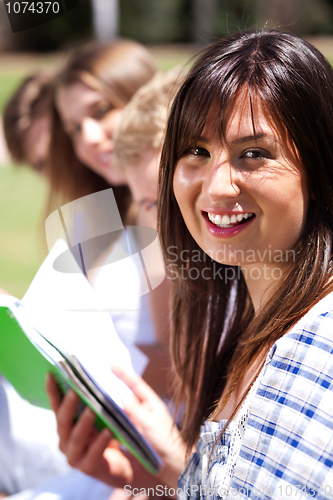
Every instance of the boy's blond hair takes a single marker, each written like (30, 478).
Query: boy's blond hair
(145, 117)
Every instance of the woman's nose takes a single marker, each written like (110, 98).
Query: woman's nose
(222, 182)
(92, 132)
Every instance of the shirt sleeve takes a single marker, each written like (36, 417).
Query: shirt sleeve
(189, 483)
(287, 448)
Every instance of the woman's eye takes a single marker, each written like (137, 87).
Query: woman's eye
(256, 153)
(148, 205)
(152, 205)
(102, 110)
(197, 151)
(75, 130)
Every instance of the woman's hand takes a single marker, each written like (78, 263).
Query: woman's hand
(153, 420)
(101, 456)
(95, 454)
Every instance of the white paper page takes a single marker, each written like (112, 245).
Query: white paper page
(64, 308)
(9, 301)
(54, 290)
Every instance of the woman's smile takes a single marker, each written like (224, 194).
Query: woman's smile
(226, 225)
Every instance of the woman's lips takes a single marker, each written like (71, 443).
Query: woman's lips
(227, 225)
(104, 159)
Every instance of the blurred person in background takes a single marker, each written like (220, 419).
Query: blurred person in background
(30, 462)
(27, 121)
(137, 151)
(136, 156)
(84, 120)
(90, 94)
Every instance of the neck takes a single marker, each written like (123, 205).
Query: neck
(262, 279)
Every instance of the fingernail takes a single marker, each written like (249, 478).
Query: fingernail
(107, 433)
(89, 413)
(72, 395)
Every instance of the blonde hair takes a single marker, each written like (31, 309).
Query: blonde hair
(144, 119)
(30, 101)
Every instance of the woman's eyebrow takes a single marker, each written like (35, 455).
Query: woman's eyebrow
(254, 137)
(67, 124)
(202, 138)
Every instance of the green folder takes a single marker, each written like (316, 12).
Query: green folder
(25, 359)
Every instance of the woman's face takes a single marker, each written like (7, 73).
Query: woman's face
(243, 200)
(91, 121)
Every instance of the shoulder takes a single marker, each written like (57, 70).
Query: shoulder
(306, 351)
(299, 368)
(289, 435)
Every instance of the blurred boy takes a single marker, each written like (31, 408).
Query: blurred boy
(137, 152)
(139, 140)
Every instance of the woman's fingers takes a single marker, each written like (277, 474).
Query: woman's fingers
(95, 451)
(53, 392)
(80, 437)
(73, 438)
(65, 417)
(139, 387)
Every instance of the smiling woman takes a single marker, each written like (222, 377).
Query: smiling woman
(246, 179)
(246, 175)
(90, 93)
(233, 190)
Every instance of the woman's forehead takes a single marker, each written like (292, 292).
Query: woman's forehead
(245, 114)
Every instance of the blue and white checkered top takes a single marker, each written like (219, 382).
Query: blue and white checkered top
(287, 444)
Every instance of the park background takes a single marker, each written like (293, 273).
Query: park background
(174, 30)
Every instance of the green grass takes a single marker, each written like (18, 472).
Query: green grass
(22, 196)
(22, 193)
(8, 83)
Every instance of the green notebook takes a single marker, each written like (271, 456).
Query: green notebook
(26, 357)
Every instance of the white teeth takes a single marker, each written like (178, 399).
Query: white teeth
(226, 220)
(105, 158)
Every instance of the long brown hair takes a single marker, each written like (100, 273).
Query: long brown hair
(215, 334)
(30, 101)
(117, 70)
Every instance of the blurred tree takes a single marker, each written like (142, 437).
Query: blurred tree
(105, 19)
(302, 17)
(151, 21)
(168, 21)
(234, 15)
(203, 26)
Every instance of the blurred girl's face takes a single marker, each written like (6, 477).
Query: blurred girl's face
(90, 120)
(243, 199)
